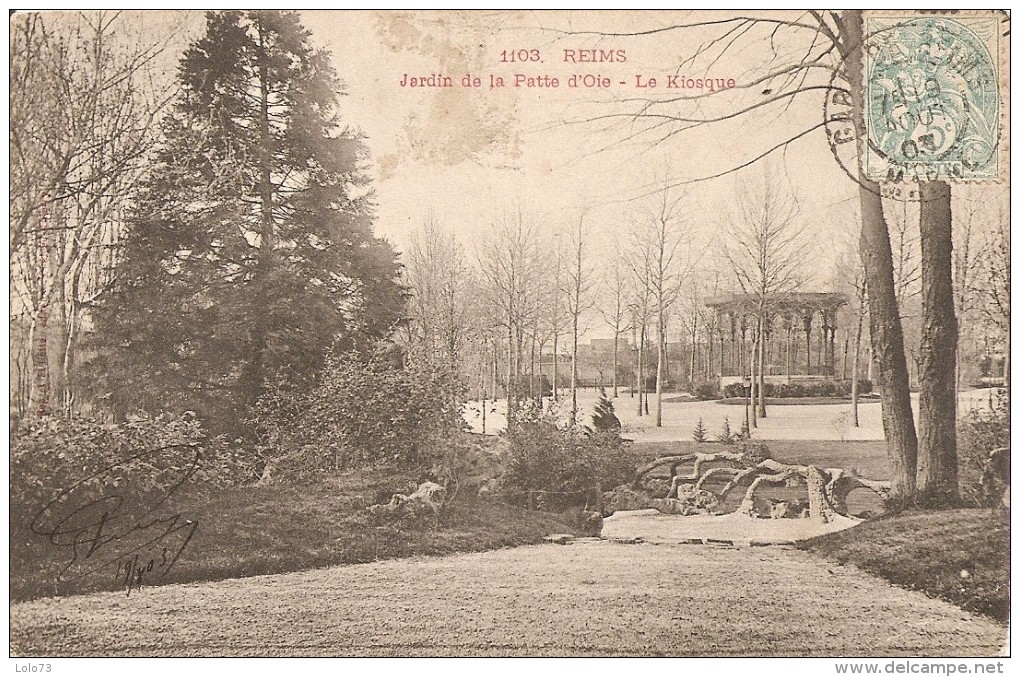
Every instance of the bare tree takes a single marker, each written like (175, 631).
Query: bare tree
(441, 284)
(579, 278)
(641, 308)
(767, 250)
(672, 258)
(510, 266)
(850, 274)
(827, 63)
(615, 294)
(84, 106)
(994, 272)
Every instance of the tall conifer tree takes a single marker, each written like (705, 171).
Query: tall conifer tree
(251, 251)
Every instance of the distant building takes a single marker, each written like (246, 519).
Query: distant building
(594, 363)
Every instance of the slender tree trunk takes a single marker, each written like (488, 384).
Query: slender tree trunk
(659, 371)
(762, 413)
(511, 376)
(1005, 364)
(807, 342)
(854, 387)
(531, 372)
(789, 351)
(573, 375)
(876, 254)
(616, 361)
(752, 368)
(640, 372)
(936, 452)
(694, 348)
(556, 366)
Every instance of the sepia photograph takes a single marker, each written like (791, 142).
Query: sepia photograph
(510, 333)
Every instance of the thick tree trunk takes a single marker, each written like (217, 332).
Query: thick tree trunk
(253, 375)
(936, 452)
(40, 363)
(885, 326)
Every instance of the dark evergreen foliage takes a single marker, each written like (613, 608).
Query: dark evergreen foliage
(604, 417)
(250, 253)
(700, 434)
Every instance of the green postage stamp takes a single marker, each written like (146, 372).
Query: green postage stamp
(933, 98)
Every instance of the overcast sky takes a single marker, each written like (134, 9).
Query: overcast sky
(469, 154)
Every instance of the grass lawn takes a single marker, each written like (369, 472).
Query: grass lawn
(961, 556)
(247, 531)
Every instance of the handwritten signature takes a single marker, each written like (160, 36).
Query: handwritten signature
(104, 532)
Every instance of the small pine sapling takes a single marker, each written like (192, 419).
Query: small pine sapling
(700, 434)
(726, 436)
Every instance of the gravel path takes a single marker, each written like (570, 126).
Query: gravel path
(588, 598)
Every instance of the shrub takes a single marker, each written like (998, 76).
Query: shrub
(980, 432)
(754, 452)
(807, 389)
(825, 389)
(82, 460)
(364, 411)
(562, 467)
(707, 390)
(733, 390)
(541, 385)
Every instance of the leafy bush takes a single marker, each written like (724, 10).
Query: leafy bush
(733, 390)
(803, 389)
(562, 467)
(708, 390)
(754, 452)
(978, 433)
(362, 412)
(83, 460)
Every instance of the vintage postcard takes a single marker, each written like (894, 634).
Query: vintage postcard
(511, 334)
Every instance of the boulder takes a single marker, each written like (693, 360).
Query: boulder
(424, 504)
(591, 523)
(657, 487)
(624, 497)
(689, 501)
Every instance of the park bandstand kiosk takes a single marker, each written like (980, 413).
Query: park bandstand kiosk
(800, 336)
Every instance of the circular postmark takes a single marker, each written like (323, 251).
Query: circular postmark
(841, 134)
(931, 101)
